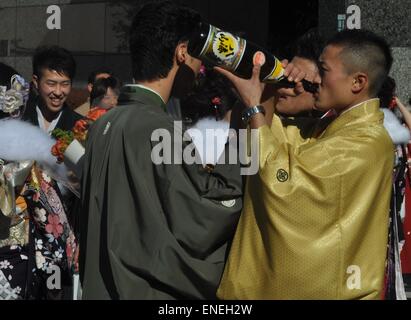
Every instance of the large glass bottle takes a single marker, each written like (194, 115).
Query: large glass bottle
(217, 47)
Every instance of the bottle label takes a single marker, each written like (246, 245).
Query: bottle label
(276, 73)
(259, 58)
(223, 48)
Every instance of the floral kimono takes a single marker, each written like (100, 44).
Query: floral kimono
(36, 241)
(36, 258)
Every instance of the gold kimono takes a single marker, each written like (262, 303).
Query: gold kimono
(315, 217)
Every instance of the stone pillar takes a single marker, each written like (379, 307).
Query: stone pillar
(390, 19)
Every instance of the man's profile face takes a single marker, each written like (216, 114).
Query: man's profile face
(194, 64)
(336, 84)
(288, 101)
(186, 76)
(53, 89)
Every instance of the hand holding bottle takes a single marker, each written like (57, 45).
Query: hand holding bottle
(220, 48)
(294, 74)
(251, 90)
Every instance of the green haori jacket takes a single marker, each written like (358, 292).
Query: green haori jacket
(151, 231)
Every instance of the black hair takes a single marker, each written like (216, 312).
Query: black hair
(387, 92)
(309, 46)
(199, 103)
(92, 76)
(6, 72)
(365, 51)
(54, 58)
(101, 86)
(156, 31)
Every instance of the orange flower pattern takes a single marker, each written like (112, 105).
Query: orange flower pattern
(79, 132)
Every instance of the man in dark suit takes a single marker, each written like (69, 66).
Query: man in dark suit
(53, 72)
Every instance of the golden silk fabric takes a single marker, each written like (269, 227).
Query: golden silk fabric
(12, 176)
(315, 217)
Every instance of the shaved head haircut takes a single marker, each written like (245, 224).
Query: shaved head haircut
(364, 51)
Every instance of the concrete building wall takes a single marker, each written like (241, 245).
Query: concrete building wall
(390, 19)
(87, 30)
(95, 30)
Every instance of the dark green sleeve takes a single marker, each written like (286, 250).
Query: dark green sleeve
(181, 233)
(158, 231)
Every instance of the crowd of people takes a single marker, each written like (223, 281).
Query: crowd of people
(325, 216)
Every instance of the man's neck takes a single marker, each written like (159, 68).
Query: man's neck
(161, 86)
(355, 104)
(47, 124)
(47, 114)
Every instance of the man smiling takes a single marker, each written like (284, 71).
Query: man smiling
(53, 71)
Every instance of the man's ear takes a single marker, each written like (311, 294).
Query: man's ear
(360, 82)
(35, 80)
(181, 53)
(89, 87)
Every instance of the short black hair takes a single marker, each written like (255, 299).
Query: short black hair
(92, 76)
(387, 92)
(6, 72)
(309, 46)
(199, 103)
(101, 86)
(54, 58)
(156, 31)
(363, 50)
